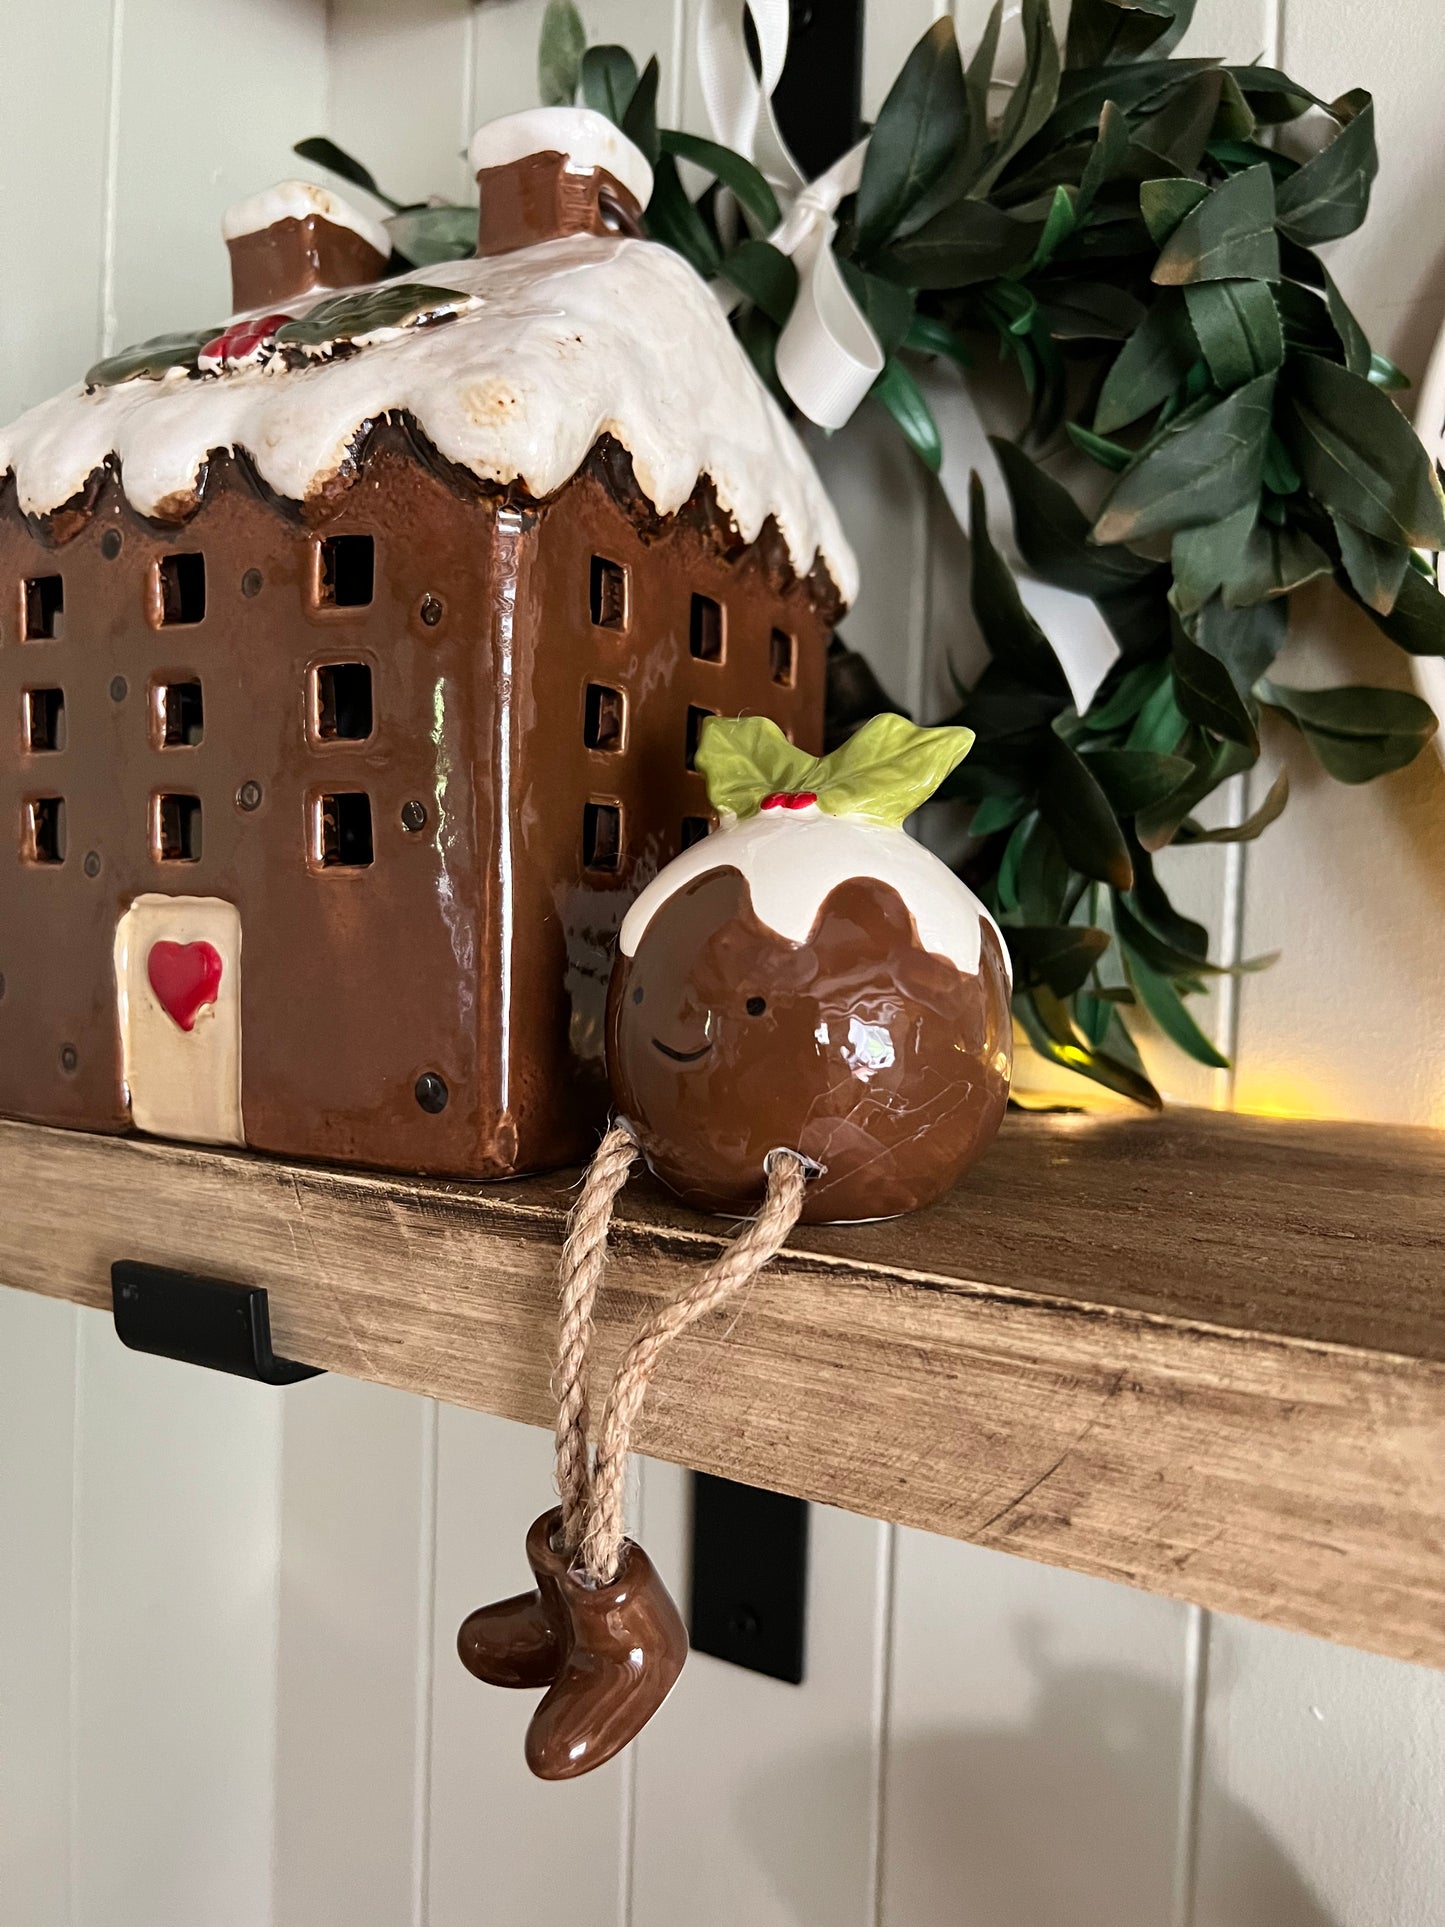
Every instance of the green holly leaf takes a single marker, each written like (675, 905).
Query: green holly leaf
(887, 769)
(560, 48)
(1230, 235)
(369, 311)
(745, 758)
(152, 358)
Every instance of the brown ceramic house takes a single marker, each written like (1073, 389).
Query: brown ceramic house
(350, 685)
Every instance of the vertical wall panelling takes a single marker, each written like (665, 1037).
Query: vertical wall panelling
(1034, 1745)
(401, 92)
(355, 1636)
(505, 1848)
(37, 1418)
(756, 1799)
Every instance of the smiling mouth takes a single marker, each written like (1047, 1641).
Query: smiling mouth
(681, 1056)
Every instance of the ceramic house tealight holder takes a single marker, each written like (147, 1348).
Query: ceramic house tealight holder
(353, 658)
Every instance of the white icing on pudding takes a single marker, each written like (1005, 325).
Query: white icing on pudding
(586, 140)
(300, 201)
(565, 342)
(792, 860)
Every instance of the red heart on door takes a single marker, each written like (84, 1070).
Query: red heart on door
(185, 978)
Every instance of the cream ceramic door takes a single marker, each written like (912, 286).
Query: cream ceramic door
(178, 989)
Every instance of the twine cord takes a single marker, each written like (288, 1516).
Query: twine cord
(592, 1498)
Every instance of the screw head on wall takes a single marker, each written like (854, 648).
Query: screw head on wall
(248, 797)
(252, 582)
(413, 816)
(110, 544)
(432, 1092)
(431, 610)
(91, 865)
(119, 689)
(69, 1058)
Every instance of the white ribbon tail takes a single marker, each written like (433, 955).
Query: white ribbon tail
(828, 356)
(739, 103)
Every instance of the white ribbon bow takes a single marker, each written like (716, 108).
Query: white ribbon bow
(828, 356)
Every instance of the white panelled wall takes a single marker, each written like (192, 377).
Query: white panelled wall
(228, 1692)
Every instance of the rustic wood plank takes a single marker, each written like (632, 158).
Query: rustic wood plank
(1200, 1354)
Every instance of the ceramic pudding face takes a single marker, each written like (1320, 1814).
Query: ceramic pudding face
(817, 981)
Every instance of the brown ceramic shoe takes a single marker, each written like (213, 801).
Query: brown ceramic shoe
(625, 1646)
(520, 1641)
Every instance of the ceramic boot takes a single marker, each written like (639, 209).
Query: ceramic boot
(520, 1641)
(626, 1644)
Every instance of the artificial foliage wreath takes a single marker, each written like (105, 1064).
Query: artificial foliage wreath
(1135, 234)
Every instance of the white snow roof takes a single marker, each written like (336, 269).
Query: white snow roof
(561, 343)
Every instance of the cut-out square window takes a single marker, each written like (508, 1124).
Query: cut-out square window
(181, 581)
(695, 719)
(343, 702)
(346, 578)
(343, 830)
(605, 722)
(609, 594)
(694, 829)
(783, 657)
(177, 828)
(44, 609)
(179, 714)
(44, 719)
(705, 629)
(43, 830)
(602, 836)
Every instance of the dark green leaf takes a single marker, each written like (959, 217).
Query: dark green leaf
(1060, 957)
(559, 54)
(1166, 203)
(1123, 693)
(1105, 31)
(1166, 1007)
(1141, 87)
(1353, 340)
(969, 242)
(1238, 328)
(888, 308)
(1360, 457)
(1134, 778)
(1106, 157)
(765, 276)
(918, 130)
(1206, 693)
(1329, 196)
(639, 123)
(1187, 939)
(1079, 814)
(1376, 569)
(1196, 474)
(731, 169)
(1041, 879)
(1054, 1036)
(1034, 92)
(1230, 236)
(1148, 368)
(1155, 826)
(1014, 639)
(348, 317)
(929, 336)
(1273, 96)
(995, 813)
(672, 218)
(1205, 558)
(977, 76)
(1245, 640)
(1160, 723)
(152, 358)
(1179, 132)
(427, 235)
(903, 398)
(1053, 532)
(1110, 454)
(1058, 225)
(1357, 733)
(324, 153)
(1384, 374)
(1417, 621)
(1091, 311)
(1257, 821)
(608, 80)
(1275, 561)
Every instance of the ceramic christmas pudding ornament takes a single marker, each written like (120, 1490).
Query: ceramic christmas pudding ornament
(807, 1008)
(367, 636)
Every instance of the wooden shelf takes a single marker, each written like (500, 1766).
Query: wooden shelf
(1200, 1354)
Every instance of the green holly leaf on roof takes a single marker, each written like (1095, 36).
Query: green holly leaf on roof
(369, 311)
(152, 358)
(884, 772)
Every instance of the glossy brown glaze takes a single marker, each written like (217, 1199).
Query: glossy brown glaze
(610, 1655)
(540, 199)
(877, 1059)
(476, 945)
(295, 256)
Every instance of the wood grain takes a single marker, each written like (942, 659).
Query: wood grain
(1200, 1354)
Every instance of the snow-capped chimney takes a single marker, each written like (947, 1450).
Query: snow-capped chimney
(293, 239)
(553, 171)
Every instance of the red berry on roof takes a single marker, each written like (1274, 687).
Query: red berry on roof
(245, 341)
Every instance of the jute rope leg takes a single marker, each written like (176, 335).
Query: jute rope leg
(736, 1266)
(584, 1258)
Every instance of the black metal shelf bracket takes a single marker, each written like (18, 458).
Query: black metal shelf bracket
(200, 1321)
(749, 1601)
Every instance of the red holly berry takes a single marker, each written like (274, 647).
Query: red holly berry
(789, 799)
(245, 341)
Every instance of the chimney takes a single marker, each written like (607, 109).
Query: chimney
(553, 171)
(296, 239)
